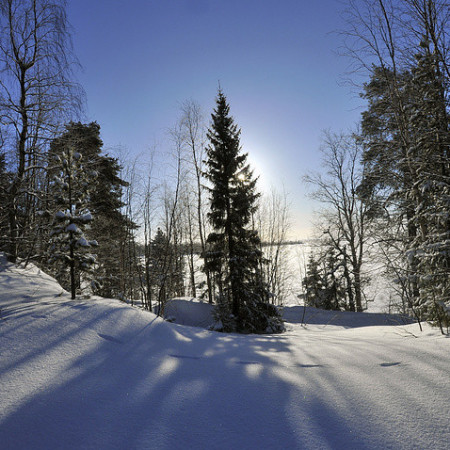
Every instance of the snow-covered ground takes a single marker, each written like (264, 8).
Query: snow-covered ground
(99, 374)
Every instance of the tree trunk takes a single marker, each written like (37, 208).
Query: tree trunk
(72, 269)
(351, 300)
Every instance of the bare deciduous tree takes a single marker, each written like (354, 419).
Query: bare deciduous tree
(273, 224)
(194, 129)
(171, 263)
(345, 216)
(36, 95)
(148, 209)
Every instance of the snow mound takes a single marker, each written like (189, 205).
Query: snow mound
(346, 319)
(189, 311)
(197, 313)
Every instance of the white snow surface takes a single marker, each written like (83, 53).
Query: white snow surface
(99, 374)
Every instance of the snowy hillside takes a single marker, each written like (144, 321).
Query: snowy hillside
(98, 374)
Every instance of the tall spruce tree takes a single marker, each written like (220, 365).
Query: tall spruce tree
(233, 253)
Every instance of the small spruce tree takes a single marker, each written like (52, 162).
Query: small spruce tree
(323, 284)
(68, 248)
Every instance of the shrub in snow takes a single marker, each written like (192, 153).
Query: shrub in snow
(223, 317)
(256, 316)
(260, 317)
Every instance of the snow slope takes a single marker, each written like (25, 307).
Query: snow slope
(98, 374)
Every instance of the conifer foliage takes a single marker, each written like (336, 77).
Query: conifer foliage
(431, 189)
(406, 136)
(109, 225)
(325, 282)
(68, 247)
(406, 165)
(102, 197)
(233, 253)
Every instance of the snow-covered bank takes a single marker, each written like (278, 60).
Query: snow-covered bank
(99, 374)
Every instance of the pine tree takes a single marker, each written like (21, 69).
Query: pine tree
(431, 188)
(406, 133)
(233, 247)
(406, 165)
(389, 172)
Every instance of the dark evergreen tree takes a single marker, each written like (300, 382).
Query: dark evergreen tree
(334, 297)
(324, 283)
(389, 173)
(406, 167)
(109, 225)
(313, 282)
(233, 247)
(430, 191)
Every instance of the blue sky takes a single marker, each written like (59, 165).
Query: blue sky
(276, 61)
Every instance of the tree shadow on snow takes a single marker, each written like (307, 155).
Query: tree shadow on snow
(165, 386)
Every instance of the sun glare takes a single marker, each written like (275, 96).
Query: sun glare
(241, 177)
